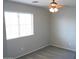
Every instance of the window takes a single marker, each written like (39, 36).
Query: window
(18, 24)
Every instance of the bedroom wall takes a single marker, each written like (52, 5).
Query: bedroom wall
(40, 39)
(63, 28)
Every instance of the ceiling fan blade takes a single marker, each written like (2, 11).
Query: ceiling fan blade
(56, 6)
(50, 6)
(59, 6)
(57, 0)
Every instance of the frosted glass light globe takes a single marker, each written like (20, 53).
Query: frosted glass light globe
(56, 9)
(53, 10)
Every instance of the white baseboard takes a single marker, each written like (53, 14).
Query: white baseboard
(63, 47)
(31, 51)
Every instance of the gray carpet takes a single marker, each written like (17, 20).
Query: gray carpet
(50, 52)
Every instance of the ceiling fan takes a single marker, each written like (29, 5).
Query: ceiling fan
(54, 6)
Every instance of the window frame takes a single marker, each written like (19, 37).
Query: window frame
(32, 26)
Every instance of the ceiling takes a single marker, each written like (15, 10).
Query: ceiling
(44, 3)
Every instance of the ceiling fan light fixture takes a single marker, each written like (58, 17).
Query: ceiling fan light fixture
(53, 7)
(53, 10)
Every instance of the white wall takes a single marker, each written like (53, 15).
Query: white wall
(63, 28)
(41, 30)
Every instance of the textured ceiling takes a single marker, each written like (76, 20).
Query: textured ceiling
(44, 3)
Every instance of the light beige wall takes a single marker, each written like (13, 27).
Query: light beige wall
(63, 28)
(21, 46)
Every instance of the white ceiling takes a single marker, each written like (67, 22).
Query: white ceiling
(44, 3)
